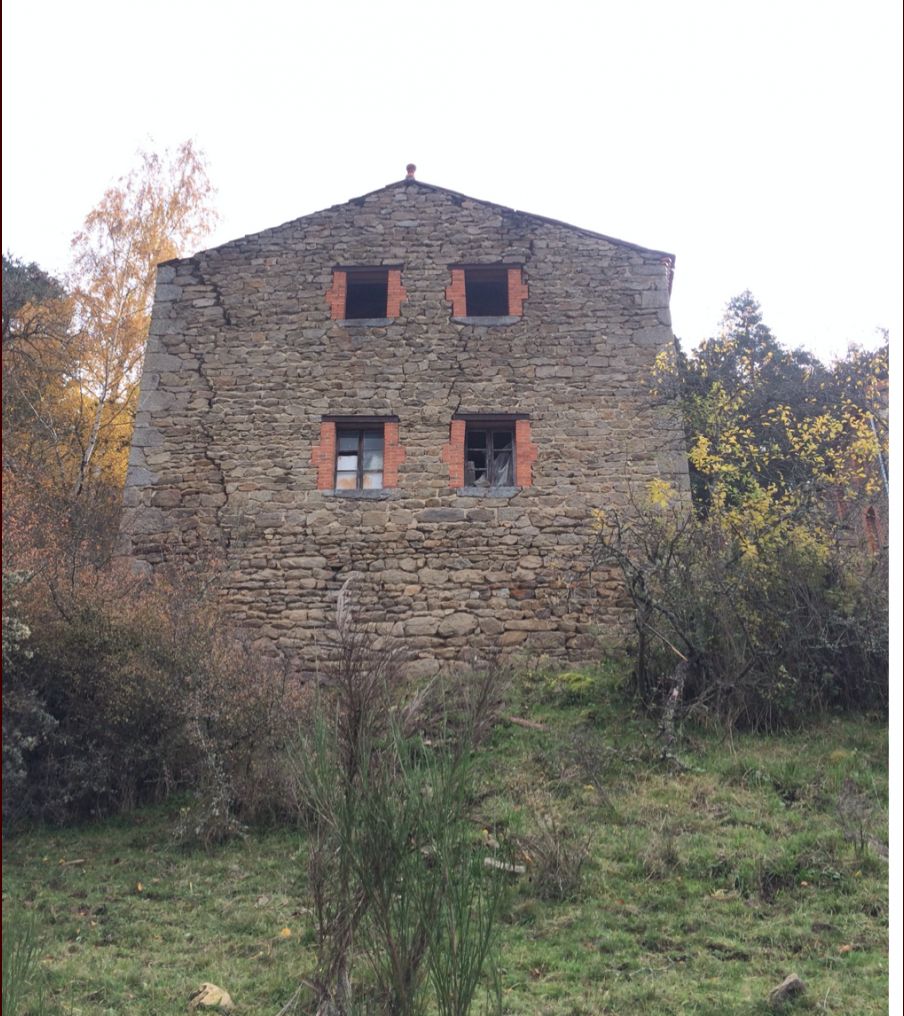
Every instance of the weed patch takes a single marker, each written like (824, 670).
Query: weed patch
(700, 891)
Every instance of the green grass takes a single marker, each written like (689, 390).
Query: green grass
(702, 889)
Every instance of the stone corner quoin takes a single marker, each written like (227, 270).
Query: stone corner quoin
(265, 388)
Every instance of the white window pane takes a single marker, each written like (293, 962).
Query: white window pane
(373, 481)
(373, 459)
(347, 463)
(502, 470)
(346, 481)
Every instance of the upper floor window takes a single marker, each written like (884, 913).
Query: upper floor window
(366, 294)
(487, 291)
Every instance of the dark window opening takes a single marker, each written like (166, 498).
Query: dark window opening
(486, 292)
(489, 456)
(359, 459)
(366, 294)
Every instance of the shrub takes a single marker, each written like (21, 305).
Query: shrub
(768, 599)
(557, 854)
(404, 906)
(129, 688)
(572, 687)
(752, 615)
(660, 856)
(595, 687)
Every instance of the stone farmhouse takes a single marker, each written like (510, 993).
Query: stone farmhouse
(422, 392)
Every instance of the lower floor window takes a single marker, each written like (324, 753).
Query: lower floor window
(359, 458)
(489, 455)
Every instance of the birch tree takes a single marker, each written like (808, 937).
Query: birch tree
(157, 212)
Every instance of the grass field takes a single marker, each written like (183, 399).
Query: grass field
(701, 889)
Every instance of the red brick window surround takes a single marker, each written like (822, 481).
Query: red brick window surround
(358, 453)
(366, 293)
(487, 451)
(486, 291)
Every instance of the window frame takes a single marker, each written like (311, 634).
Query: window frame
(344, 276)
(366, 277)
(489, 429)
(524, 451)
(510, 279)
(360, 428)
(483, 276)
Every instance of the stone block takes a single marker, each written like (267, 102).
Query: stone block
(442, 515)
(456, 624)
(166, 293)
(161, 362)
(139, 476)
(421, 625)
(146, 437)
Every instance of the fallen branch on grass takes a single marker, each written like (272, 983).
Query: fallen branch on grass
(527, 724)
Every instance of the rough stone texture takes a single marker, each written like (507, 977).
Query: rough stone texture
(790, 988)
(243, 362)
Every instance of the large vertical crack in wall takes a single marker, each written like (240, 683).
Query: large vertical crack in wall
(206, 422)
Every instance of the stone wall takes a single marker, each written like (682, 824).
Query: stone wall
(244, 362)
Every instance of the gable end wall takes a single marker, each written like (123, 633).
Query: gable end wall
(244, 361)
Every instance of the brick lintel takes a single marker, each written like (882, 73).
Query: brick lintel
(490, 417)
(363, 420)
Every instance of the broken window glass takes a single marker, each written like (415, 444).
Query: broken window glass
(489, 456)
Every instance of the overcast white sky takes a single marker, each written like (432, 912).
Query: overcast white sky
(759, 142)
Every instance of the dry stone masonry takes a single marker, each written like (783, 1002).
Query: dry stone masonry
(423, 392)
